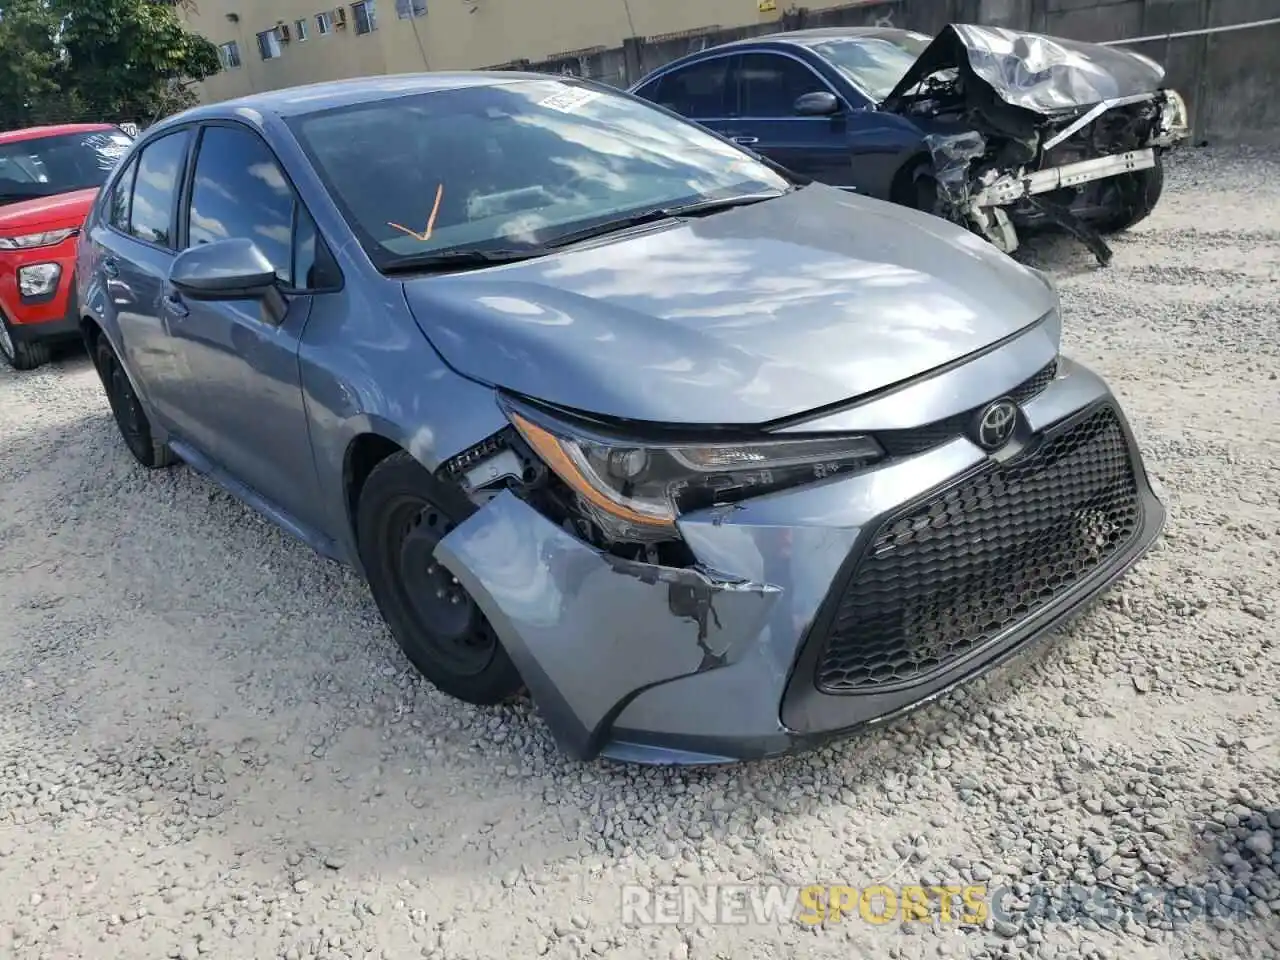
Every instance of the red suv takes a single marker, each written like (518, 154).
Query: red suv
(48, 179)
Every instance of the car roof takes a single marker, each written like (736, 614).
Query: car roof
(35, 133)
(818, 34)
(313, 97)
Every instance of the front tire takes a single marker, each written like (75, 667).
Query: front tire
(21, 354)
(402, 514)
(131, 418)
(1136, 196)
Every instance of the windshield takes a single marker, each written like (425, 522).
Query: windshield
(45, 166)
(512, 165)
(874, 64)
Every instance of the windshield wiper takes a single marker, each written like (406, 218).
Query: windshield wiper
(457, 259)
(484, 257)
(696, 208)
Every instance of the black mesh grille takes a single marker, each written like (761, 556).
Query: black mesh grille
(953, 573)
(906, 443)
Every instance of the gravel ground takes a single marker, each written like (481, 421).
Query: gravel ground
(210, 746)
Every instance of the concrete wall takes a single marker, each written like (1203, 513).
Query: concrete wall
(1231, 80)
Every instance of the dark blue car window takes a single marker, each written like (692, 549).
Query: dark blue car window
(769, 84)
(240, 191)
(873, 64)
(696, 91)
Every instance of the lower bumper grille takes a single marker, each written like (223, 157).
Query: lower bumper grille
(949, 576)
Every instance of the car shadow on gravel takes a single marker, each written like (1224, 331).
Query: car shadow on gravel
(1232, 876)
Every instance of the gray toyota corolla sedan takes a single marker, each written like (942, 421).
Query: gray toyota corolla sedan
(712, 462)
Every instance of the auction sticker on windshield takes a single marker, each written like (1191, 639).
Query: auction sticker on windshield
(569, 100)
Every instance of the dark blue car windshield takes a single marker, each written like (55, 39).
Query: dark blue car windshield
(873, 64)
(512, 164)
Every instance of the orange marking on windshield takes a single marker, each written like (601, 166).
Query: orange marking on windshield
(431, 221)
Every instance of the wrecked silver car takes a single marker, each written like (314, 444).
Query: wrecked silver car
(714, 464)
(991, 128)
(1055, 130)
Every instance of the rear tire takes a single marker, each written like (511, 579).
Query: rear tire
(22, 354)
(402, 514)
(131, 418)
(1136, 196)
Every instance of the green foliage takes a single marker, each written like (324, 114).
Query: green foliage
(97, 59)
(30, 61)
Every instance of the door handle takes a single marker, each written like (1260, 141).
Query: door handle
(174, 307)
(110, 267)
(746, 140)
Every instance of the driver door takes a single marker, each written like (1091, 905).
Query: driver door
(768, 85)
(252, 422)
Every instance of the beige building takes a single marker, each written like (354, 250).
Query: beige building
(267, 44)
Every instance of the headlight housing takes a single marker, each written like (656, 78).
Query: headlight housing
(635, 489)
(1175, 117)
(38, 280)
(32, 240)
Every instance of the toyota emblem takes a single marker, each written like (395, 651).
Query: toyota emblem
(995, 424)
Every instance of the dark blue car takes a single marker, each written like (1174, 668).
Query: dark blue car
(807, 100)
(995, 129)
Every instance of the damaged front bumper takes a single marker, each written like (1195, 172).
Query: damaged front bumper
(1016, 117)
(991, 199)
(758, 649)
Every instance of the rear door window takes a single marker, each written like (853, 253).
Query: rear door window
(155, 188)
(118, 206)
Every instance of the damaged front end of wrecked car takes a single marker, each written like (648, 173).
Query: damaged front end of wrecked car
(1026, 130)
(825, 595)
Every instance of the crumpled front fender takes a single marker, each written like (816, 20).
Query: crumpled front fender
(588, 631)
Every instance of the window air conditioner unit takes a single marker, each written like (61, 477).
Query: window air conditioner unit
(340, 17)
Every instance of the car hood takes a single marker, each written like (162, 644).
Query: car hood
(750, 315)
(46, 213)
(1038, 73)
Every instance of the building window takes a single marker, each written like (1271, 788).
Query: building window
(366, 16)
(229, 54)
(300, 30)
(324, 24)
(269, 44)
(411, 8)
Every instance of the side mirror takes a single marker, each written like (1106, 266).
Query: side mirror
(233, 269)
(819, 103)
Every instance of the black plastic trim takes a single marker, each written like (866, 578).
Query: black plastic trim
(807, 710)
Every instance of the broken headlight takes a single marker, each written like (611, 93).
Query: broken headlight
(1175, 118)
(636, 489)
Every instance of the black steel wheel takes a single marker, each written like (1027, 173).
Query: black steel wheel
(1133, 197)
(131, 418)
(403, 514)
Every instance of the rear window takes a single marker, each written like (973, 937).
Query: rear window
(46, 166)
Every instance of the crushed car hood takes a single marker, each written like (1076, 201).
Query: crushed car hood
(1028, 70)
(746, 316)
